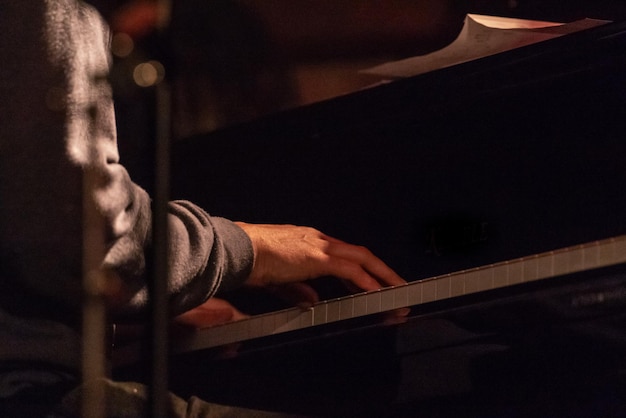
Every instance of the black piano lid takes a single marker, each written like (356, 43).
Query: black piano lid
(498, 158)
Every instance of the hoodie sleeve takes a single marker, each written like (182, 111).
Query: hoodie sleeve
(68, 207)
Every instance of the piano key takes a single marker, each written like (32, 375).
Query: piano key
(429, 291)
(319, 313)
(501, 275)
(443, 288)
(545, 266)
(471, 281)
(485, 279)
(332, 311)
(387, 299)
(569, 260)
(575, 259)
(415, 293)
(606, 253)
(306, 317)
(255, 327)
(236, 331)
(530, 269)
(360, 306)
(346, 308)
(269, 323)
(516, 272)
(560, 263)
(401, 296)
(620, 249)
(291, 321)
(457, 284)
(372, 302)
(590, 256)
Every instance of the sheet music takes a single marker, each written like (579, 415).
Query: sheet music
(481, 36)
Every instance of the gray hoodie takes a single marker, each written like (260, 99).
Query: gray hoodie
(64, 195)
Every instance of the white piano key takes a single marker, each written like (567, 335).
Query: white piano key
(606, 253)
(209, 337)
(471, 281)
(346, 308)
(306, 318)
(443, 288)
(289, 322)
(457, 284)
(485, 279)
(429, 291)
(372, 302)
(560, 263)
(387, 300)
(268, 323)
(545, 266)
(332, 311)
(500, 275)
(319, 313)
(360, 305)
(590, 256)
(515, 272)
(280, 319)
(575, 259)
(415, 293)
(401, 296)
(620, 249)
(196, 341)
(530, 269)
(255, 327)
(236, 331)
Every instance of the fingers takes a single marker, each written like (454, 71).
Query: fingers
(200, 318)
(287, 254)
(352, 272)
(214, 311)
(396, 316)
(297, 294)
(355, 263)
(366, 267)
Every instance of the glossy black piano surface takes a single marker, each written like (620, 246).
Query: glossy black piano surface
(544, 351)
(498, 158)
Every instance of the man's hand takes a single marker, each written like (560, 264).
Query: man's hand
(284, 257)
(285, 254)
(214, 311)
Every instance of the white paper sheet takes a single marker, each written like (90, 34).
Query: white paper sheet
(481, 36)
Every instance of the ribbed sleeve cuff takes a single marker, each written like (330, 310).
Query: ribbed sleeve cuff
(239, 253)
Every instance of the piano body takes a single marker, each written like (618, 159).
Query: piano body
(497, 159)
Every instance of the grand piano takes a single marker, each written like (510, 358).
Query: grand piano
(495, 187)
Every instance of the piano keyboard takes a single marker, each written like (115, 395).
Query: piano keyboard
(574, 259)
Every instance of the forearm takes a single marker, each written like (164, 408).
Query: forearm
(204, 253)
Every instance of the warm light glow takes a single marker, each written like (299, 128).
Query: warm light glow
(122, 45)
(148, 73)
